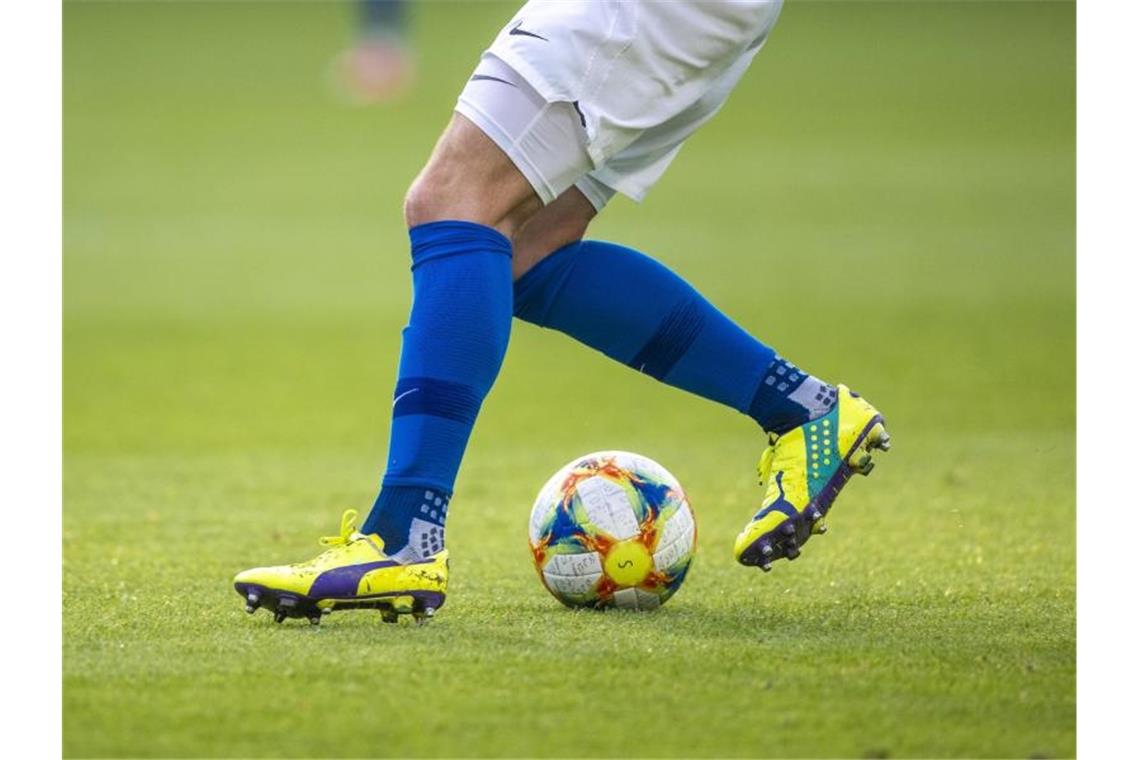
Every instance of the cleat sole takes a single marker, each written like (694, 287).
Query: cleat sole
(284, 605)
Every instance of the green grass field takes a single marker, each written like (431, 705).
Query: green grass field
(888, 199)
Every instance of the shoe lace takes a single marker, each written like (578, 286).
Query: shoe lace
(764, 468)
(348, 532)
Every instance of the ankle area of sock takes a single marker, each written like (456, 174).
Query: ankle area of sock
(788, 397)
(402, 512)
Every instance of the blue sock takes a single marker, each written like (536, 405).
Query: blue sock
(452, 349)
(634, 310)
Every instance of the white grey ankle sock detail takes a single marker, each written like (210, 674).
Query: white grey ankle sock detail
(425, 540)
(814, 395)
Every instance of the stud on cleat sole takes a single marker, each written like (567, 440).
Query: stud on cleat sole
(423, 616)
(878, 438)
(766, 567)
(286, 607)
(403, 604)
(766, 550)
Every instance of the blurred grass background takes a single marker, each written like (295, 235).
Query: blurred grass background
(888, 199)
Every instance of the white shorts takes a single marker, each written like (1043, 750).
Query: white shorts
(602, 94)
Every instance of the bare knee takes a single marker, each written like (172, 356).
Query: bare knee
(422, 201)
(469, 178)
(557, 225)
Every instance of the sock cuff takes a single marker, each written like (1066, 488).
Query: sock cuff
(453, 237)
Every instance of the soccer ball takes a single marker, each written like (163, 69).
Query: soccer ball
(612, 529)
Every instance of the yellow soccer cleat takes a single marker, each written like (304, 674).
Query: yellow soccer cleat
(802, 471)
(353, 573)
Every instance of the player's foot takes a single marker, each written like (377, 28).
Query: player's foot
(802, 471)
(353, 573)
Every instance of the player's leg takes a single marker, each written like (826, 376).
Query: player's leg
(635, 310)
(461, 211)
(462, 308)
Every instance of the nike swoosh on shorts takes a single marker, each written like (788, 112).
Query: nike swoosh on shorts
(518, 30)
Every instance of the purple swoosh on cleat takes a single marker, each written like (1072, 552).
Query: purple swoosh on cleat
(343, 581)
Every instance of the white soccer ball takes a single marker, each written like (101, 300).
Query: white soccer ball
(612, 529)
